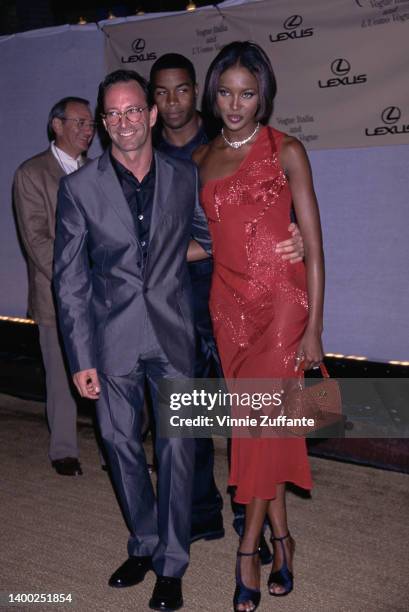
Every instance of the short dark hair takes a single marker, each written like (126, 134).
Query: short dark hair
(173, 61)
(250, 56)
(123, 76)
(58, 112)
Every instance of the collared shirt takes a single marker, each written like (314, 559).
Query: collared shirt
(67, 163)
(139, 196)
(186, 151)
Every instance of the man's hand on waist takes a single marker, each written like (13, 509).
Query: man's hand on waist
(196, 252)
(293, 248)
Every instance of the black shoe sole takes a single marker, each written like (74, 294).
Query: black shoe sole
(69, 474)
(124, 586)
(113, 585)
(209, 535)
(165, 609)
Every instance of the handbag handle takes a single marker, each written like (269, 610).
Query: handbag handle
(324, 370)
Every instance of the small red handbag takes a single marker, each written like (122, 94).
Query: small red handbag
(320, 402)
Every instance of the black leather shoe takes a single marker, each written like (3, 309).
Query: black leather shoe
(68, 466)
(266, 556)
(131, 572)
(211, 529)
(167, 594)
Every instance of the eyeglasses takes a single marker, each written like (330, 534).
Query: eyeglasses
(82, 124)
(133, 114)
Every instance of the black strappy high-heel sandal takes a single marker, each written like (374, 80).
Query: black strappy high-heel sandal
(282, 577)
(243, 593)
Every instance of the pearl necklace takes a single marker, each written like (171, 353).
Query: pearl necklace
(239, 143)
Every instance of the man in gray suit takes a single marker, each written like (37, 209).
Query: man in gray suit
(70, 131)
(124, 223)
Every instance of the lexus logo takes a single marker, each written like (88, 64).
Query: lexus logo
(292, 22)
(391, 114)
(138, 45)
(293, 30)
(340, 67)
(140, 53)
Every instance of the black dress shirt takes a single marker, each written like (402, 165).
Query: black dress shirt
(186, 151)
(139, 196)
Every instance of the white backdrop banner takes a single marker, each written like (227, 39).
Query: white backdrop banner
(363, 192)
(341, 66)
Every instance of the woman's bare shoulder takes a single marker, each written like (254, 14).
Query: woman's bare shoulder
(292, 153)
(292, 146)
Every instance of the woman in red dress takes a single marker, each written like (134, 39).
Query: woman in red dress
(267, 313)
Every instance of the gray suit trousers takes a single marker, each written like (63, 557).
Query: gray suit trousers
(61, 405)
(158, 527)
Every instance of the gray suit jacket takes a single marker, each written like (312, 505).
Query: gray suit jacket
(103, 287)
(35, 200)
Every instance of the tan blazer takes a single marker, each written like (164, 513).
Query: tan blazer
(35, 199)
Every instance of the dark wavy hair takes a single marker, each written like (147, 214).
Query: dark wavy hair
(250, 56)
(58, 112)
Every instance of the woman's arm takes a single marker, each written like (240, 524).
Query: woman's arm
(295, 162)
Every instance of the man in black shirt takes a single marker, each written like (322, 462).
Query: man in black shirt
(180, 132)
(124, 224)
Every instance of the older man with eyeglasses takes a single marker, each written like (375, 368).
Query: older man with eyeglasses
(70, 130)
